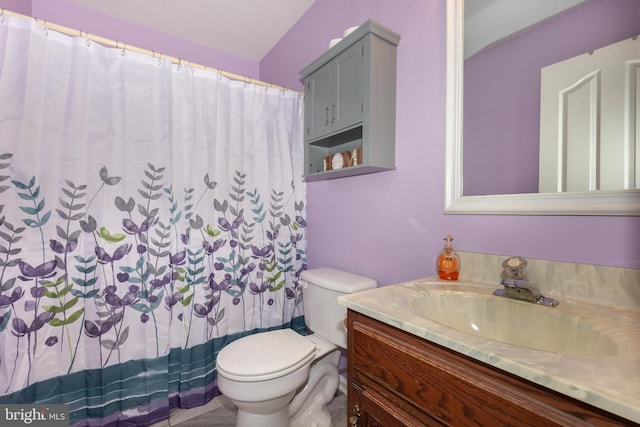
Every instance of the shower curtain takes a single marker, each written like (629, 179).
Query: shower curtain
(150, 213)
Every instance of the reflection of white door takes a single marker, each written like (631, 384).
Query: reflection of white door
(590, 121)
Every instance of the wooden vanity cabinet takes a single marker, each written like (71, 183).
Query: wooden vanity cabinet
(398, 379)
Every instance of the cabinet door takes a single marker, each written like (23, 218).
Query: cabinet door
(376, 410)
(320, 98)
(349, 109)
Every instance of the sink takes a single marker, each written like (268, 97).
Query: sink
(513, 322)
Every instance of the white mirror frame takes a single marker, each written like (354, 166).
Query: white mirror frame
(623, 202)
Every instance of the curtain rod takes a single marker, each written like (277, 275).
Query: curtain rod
(121, 45)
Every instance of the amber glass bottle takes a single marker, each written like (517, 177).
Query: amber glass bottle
(448, 264)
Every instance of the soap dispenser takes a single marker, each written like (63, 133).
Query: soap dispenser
(448, 264)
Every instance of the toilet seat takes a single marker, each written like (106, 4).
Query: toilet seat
(264, 356)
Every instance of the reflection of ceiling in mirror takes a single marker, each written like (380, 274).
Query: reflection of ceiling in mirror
(487, 22)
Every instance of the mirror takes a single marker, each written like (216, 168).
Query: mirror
(609, 202)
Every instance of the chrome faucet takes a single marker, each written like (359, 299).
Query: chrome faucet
(516, 285)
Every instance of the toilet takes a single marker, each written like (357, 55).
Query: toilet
(280, 378)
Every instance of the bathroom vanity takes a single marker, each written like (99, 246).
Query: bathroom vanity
(405, 369)
(398, 379)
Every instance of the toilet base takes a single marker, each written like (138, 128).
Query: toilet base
(276, 419)
(274, 413)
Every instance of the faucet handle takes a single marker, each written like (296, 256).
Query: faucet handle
(514, 268)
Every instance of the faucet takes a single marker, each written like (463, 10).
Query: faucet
(516, 285)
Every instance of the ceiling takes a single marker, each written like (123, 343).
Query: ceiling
(487, 22)
(250, 28)
(246, 28)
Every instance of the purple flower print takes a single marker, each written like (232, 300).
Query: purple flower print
(173, 300)
(7, 300)
(111, 298)
(131, 227)
(44, 270)
(59, 248)
(301, 221)
(119, 253)
(20, 327)
(202, 311)
(255, 289)
(248, 269)
(209, 248)
(222, 286)
(164, 280)
(226, 226)
(261, 252)
(177, 258)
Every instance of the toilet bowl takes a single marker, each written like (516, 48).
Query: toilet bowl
(281, 378)
(260, 373)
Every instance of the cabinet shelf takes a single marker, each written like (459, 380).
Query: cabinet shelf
(350, 103)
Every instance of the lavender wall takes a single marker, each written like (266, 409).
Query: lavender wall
(390, 225)
(19, 6)
(502, 92)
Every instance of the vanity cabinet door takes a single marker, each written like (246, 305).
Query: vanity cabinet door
(384, 410)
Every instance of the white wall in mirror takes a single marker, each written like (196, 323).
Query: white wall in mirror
(616, 202)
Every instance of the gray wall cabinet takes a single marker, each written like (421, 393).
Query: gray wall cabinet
(350, 105)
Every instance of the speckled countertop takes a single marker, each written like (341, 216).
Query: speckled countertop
(610, 382)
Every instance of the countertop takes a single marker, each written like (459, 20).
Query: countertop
(610, 382)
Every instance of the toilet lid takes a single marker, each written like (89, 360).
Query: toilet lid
(264, 356)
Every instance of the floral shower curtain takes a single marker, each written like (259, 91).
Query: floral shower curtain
(150, 213)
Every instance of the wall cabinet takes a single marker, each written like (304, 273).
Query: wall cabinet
(398, 379)
(350, 104)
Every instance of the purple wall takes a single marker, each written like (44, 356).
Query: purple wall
(19, 6)
(390, 225)
(502, 92)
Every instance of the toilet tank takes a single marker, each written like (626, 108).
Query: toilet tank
(321, 288)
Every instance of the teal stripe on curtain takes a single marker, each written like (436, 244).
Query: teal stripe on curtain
(103, 394)
(100, 393)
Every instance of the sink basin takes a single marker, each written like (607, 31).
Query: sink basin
(515, 322)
